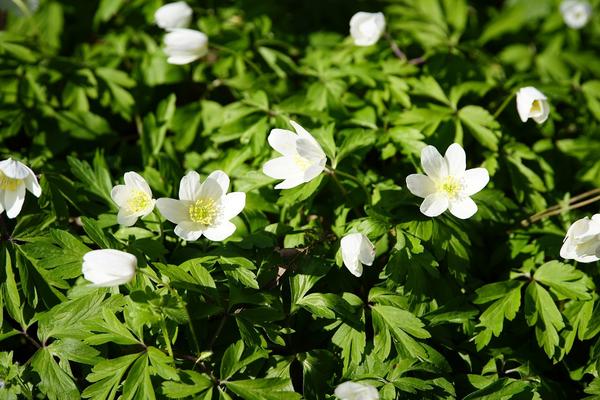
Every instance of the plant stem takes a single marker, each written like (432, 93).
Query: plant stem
(395, 49)
(165, 332)
(558, 209)
(503, 105)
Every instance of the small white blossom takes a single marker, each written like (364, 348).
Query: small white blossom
(182, 46)
(203, 209)
(15, 177)
(448, 185)
(303, 158)
(576, 13)
(357, 250)
(356, 391)
(134, 199)
(173, 15)
(582, 242)
(366, 28)
(108, 267)
(531, 103)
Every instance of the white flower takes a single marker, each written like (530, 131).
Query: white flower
(576, 13)
(173, 15)
(134, 199)
(582, 242)
(531, 103)
(303, 158)
(182, 46)
(357, 250)
(447, 184)
(366, 28)
(203, 209)
(108, 267)
(15, 177)
(356, 391)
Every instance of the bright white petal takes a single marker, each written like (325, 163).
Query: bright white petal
(543, 115)
(462, 208)
(135, 180)
(13, 200)
(211, 189)
(176, 211)
(120, 195)
(189, 187)
(434, 204)
(420, 185)
(366, 254)
(356, 391)
(283, 141)
(31, 183)
(188, 230)
(312, 172)
(433, 163)
(233, 204)
(221, 178)
(281, 168)
(219, 232)
(310, 149)
(525, 98)
(290, 183)
(126, 219)
(475, 179)
(108, 267)
(14, 169)
(456, 159)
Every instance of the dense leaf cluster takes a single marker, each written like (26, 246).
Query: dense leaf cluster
(474, 309)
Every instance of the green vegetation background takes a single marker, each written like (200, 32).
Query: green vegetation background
(476, 309)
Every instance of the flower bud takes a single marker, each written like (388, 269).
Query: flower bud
(576, 13)
(183, 46)
(582, 242)
(366, 28)
(108, 267)
(531, 103)
(173, 16)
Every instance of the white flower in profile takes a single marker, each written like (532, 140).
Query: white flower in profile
(108, 267)
(182, 46)
(356, 391)
(576, 13)
(203, 209)
(366, 28)
(357, 250)
(302, 158)
(15, 177)
(448, 185)
(134, 199)
(173, 15)
(531, 103)
(582, 242)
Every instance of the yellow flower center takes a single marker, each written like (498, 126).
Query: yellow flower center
(138, 201)
(536, 107)
(301, 162)
(7, 183)
(451, 186)
(204, 211)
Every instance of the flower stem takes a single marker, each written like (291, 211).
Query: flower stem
(160, 223)
(503, 105)
(559, 209)
(165, 332)
(395, 49)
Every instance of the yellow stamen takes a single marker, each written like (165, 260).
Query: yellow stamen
(204, 211)
(536, 107)
(138, 201)
(451, 186)
(7, 183)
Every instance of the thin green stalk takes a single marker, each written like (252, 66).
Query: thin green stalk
(163, 328)
(503, 105)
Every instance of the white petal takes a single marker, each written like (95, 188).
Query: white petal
(283, 141)
(188, 230)
(366, 28)
(434, 204)
(13, 200)
(189, 187)
(31, 183)
(313, 171)
(183, 46)
(357, 249)
(219, 232)
(462, 208)
(135, 180)
(221, 178)
(543, 115)
(1, 201)
(176, 211)
(126, 219)
(366, 254)
(356, 391)
(120, 195)
(211, 189)
(14, 169)
(420, 185)
(182, 59)
(173, 15)
(474, 180)
(233, 204)
(290, 183)
(282, 168)
(567, 251)
(456, 159)
(433, 163)
(310, 149)
(108, 267)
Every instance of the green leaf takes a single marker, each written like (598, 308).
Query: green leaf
(541, 312)
(482, 125)
(191, 383)
(54, 381)
(264, 389)
(564, 280)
